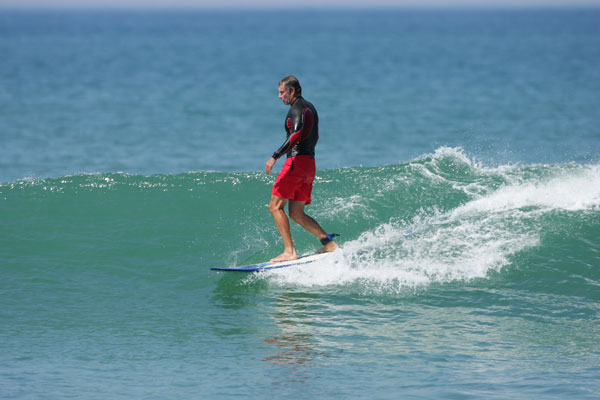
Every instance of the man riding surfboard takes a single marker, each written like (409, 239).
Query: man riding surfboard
(293, 185)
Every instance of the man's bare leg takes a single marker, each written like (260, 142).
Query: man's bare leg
(276, 207)
(298, 215)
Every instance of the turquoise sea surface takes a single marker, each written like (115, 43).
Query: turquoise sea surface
(133, 151)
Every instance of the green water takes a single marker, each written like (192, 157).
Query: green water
(107, 289)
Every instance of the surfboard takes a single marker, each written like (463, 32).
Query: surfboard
(274, 265)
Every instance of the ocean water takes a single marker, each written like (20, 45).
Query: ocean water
(458, 158)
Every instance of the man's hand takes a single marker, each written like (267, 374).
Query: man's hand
(269, 165)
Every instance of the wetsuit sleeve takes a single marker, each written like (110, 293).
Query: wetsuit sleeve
(301, 126)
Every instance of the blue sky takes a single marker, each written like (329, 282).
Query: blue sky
(283, 3)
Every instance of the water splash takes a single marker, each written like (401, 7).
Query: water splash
(508, 214)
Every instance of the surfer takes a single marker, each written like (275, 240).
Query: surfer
(293, 185)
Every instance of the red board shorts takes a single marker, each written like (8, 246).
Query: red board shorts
(295, 180)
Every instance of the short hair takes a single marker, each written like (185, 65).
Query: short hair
(290, 82)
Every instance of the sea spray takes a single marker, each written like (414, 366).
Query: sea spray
(490, 217)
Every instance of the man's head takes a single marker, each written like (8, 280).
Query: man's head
(289, 89)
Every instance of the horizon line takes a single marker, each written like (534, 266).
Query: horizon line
(313, 7)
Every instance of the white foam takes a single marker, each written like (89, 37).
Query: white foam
(386, 261)
(468, 242)
(448, 152)
(574, 191)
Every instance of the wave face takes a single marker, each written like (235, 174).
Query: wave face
(446, 266)
(437, 219)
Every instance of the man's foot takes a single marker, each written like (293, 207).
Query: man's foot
(329, 247)
(285, 256)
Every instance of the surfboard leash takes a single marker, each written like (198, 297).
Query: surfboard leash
(328, 238)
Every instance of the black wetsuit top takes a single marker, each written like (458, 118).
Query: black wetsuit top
(302, 129)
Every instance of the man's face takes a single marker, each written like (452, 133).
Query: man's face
(285, 96)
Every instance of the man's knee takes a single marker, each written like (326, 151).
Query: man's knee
(276, 204)
(297, 215)
(274, 208)
(297, 211)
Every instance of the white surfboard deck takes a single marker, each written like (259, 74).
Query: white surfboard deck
(274, 265)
